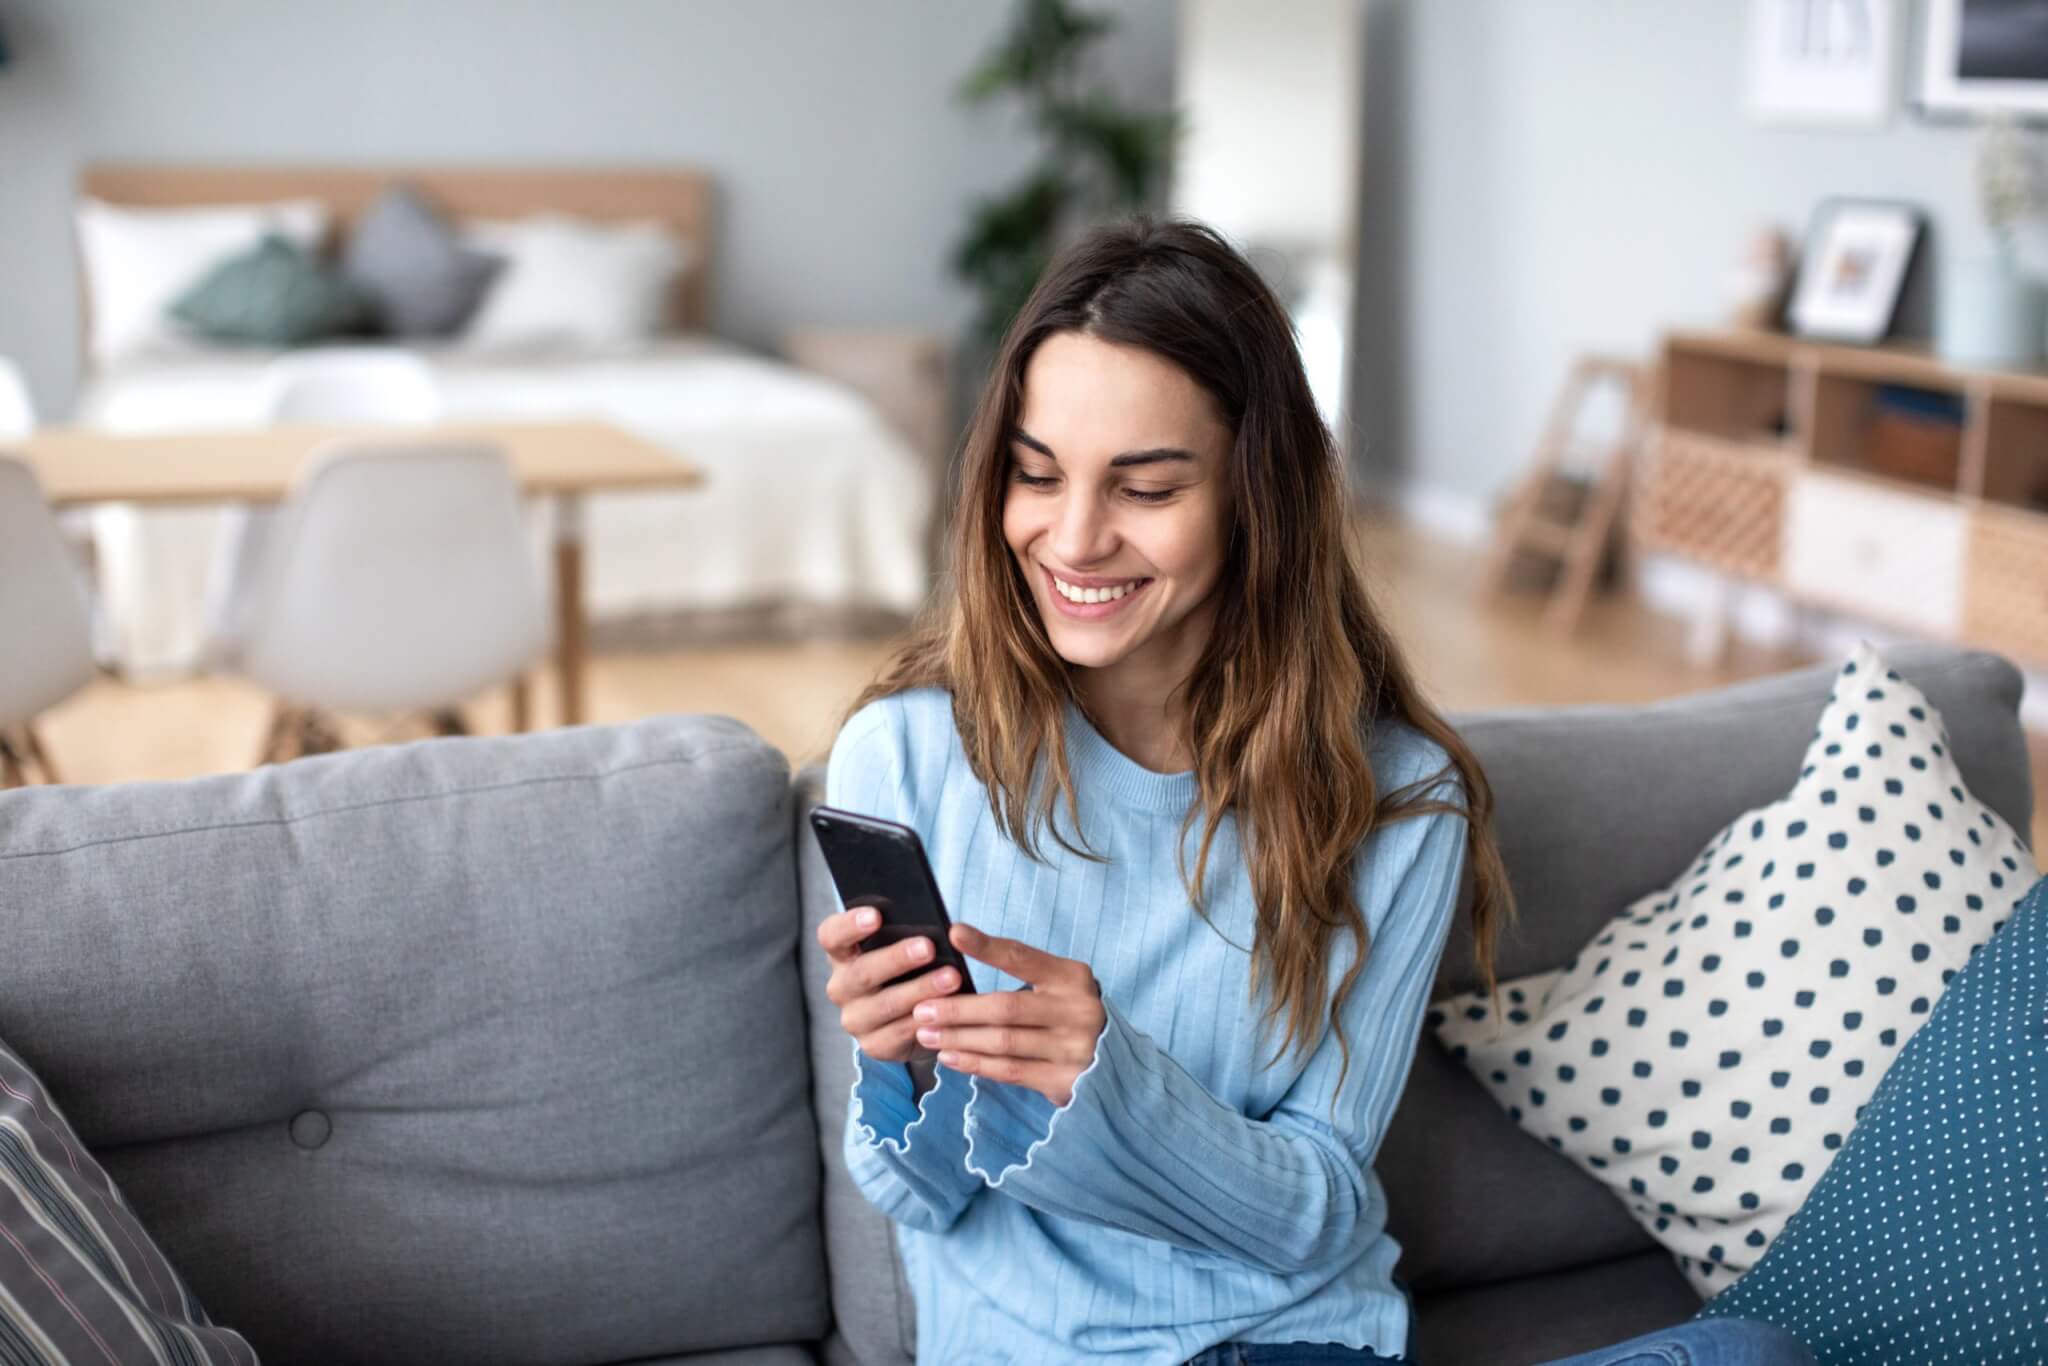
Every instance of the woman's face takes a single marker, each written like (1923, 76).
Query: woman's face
(1116, 488)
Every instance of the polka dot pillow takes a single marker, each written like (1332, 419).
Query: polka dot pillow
(1708, 1052)
(1925, 1241)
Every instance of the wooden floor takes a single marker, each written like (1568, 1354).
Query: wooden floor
(1469, 652)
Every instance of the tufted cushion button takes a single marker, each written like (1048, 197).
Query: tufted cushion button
(310, 1129)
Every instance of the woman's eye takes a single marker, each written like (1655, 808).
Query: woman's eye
(1039, 481)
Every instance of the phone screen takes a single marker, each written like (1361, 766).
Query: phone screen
(882, 864)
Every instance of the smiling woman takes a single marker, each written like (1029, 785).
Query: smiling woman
(1120, 537)
(1152, 618)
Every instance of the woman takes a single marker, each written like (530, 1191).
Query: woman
(1153, 622)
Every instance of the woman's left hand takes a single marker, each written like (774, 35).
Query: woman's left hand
(1042, 1037)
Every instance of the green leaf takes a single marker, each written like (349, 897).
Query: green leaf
(1133, 148)
(1099, 157)
(1042, 48)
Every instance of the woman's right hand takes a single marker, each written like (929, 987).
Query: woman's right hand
(879, 1017)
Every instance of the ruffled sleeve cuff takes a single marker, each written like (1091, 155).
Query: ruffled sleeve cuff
(923, 1141)
(1016, 1130)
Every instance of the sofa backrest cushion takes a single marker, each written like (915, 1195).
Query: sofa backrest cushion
(874, 1317)
(476, 1050)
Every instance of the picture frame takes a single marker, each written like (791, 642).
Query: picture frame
(1853, 269)
(1980, 57)
(1824, 63)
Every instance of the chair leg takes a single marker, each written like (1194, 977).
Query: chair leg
(522, 705)
(39, 756)
(316, 734)
(277, 738)
(10, 765)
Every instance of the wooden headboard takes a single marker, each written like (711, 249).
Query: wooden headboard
(677, 197)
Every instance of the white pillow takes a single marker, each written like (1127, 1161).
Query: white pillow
(574, 283)
(138, 260)
(1710, 1050)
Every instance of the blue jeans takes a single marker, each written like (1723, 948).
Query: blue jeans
(1697, 1342)
(1288, 1354)
(1702, 1342)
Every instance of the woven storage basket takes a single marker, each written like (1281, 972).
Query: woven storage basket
(2005, 584)
(1719, 502)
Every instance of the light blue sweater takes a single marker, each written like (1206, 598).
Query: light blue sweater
(1183, 1196)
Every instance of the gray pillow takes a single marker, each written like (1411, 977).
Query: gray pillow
(273, 294)
(420, 278)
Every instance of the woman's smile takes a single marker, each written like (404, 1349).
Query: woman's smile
(1071, 600)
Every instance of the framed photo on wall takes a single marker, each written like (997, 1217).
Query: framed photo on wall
(1984, 56)
(1832, 63)
(1853, 269)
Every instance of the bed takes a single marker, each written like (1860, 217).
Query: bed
(815, 508)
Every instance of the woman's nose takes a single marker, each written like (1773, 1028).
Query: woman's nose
(1082, 534)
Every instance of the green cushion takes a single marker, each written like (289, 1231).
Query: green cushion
(274, 294)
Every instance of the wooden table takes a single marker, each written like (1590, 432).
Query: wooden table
(560, 461)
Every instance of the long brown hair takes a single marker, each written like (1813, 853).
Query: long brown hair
(1281, 707)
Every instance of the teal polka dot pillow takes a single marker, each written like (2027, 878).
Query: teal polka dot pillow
(1927, 1240)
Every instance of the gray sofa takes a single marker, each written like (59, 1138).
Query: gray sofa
(514, 1050)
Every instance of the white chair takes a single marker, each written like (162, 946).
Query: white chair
(397, 579)
(45, 622)
(18, 419)
(333, 386)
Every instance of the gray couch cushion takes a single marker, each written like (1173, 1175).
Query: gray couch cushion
(1562, 1313)
(481, 1050)
(1472, 1199)
(874, 1316)
(1598, 805)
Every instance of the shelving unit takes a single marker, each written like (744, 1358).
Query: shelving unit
(1878, 482)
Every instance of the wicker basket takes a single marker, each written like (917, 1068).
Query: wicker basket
(1719, 502)
(2005, 585)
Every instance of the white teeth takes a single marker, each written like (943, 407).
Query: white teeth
(1085, 595)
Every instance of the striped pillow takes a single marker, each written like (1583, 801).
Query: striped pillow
(80, 1280)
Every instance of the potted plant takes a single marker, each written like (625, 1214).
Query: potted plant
(1991, 314)
(1099, 158)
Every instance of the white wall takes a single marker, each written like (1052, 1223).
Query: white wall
(843, 167)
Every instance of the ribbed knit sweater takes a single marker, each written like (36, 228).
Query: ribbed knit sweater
(1185, 1195)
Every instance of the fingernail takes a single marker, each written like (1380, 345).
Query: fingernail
(920, 948)
(926, 1012)
(928, 1037)
(870, 919)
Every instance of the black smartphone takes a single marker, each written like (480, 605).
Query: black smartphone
(882, 864)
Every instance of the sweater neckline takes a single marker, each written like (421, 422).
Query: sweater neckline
(1101, 766)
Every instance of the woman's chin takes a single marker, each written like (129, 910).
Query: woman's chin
(1086, 649)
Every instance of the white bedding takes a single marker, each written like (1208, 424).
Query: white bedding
(809, 495)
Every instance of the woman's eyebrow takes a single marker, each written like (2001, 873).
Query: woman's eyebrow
(1153, 456)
